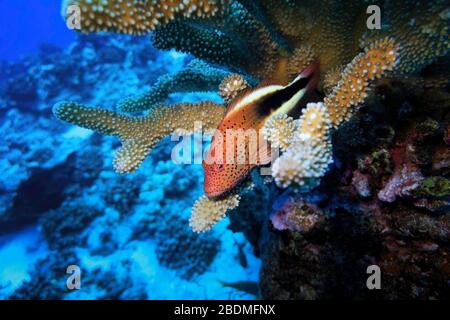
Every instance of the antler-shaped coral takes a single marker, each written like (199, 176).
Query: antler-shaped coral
(377, 59)
(197, 76)
(307, 142)
(140, 134)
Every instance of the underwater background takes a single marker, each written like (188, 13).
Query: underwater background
(60, 201)
(370, 188)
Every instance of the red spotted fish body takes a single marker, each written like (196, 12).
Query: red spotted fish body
(234, 150)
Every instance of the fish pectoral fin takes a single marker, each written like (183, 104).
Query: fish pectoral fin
(264, 153)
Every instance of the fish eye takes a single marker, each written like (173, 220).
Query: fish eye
(219, 168)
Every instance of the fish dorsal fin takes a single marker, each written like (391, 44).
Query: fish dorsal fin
(274, 98)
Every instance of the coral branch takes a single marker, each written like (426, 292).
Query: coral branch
(308, 156)
(139, 16)
(279, 130)
(206, 212)
(211, 46)
(377, 59)
(140, 134)
(197, 76)
(421, 27)
(234, 39)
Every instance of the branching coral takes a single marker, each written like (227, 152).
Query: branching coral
(139, 16)
(422, 27)
(197, 76)
(279, 130)
(309, 153)
(234, 39)
(139, 134)
(253, 35)
(268, 41)
(377, 59)
(328, 27)
(206, 212)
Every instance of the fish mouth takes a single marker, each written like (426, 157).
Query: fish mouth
(310, 71)
(214, 194)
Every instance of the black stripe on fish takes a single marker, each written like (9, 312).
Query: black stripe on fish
(273, 101)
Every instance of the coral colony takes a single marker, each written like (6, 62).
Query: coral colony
(359, 118)
(306, 141)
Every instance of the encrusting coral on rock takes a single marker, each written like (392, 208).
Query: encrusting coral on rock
(283, 38)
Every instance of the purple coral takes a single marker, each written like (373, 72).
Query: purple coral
(295, 214)
(404, 179)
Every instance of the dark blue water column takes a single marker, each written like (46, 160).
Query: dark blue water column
(24, 24)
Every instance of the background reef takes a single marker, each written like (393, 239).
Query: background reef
(62, 204)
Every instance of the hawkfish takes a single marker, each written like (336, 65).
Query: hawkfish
(233, 152)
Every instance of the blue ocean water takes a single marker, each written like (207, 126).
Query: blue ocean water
(62, 204)
(24, 25)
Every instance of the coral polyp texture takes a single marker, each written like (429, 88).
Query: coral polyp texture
(139, 16)
(279, 130)
(206, 212)
(232, 86)
(283, 39)
(309, 153)
(378, 58)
